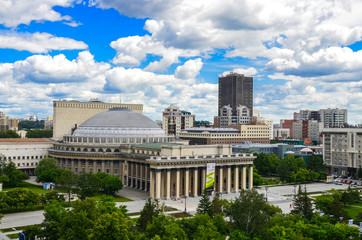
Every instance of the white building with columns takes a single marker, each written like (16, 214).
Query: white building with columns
(131, 146)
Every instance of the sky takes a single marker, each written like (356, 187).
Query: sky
(303, 54)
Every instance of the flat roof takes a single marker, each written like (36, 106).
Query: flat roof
(155, 145)
(24, 140)
(203, 129)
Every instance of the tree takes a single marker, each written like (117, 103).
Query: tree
(149, 211)
(204, 206)
(216, 205)
(331, 204)
(109, 184)
(39, 133)
(257, 179)
(303, 204)
(44, 165)
(112, 226)
(316, 164)
(9, 134)
(200, 227)
(166, 228)
(248, 213)
(9, 175)
(67, 180)
(21, 198)
(88, 185)
(359, 174)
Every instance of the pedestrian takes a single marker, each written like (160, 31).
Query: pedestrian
(290, 205)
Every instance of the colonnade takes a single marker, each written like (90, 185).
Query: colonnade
(168, 182)
(191, 181)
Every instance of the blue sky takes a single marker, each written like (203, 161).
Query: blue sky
(302, 54)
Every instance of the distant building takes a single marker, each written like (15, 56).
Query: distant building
(232, 135)
(48, 123)
(70, 114)
(8, 123)
(25, 153)
(174, 120)
(333, 117)
(342, 150)
(235, 100)
(303, 129)
(203, 123)
(286, 123)
(329, 117)
(226, 117)
(281, 133)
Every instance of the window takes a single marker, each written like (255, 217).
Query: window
(115, 171)
(107, 170)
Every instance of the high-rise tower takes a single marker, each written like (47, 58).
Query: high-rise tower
(234, 90)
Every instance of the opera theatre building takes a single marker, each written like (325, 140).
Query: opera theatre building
(127, 144)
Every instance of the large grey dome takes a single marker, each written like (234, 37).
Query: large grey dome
(119, 122)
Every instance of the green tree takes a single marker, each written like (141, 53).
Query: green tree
(9, 134)
(49, 175)
(149, 211)
(316, 164)
(200, 227)
(67, 180)
(19, 198)
(53, 216)
(331, 204)
(204, 206)
(166, 228)
(216, 205)
(109, 184)
(350, 196)
(359, 174)
(257, 179)
(303, 204)
(39, 133)
(9, 175)
(45, 164)
(113, 225)
(248, 213)
(88, 185)
(27, 124)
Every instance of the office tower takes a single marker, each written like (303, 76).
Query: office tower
(234, 90)
(333, 117)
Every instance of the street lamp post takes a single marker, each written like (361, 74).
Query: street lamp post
(185, 203)
(266, 193)
(295, 191)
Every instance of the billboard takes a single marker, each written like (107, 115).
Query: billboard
(210, 176)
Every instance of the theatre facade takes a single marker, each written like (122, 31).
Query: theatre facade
(131, 146)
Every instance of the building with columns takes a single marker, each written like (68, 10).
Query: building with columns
(131, 146)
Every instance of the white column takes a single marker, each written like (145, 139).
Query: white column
(168, 183)
(177, 194)
(251, 176)
(221, 178)
(228, 179)
(158, 183)
(243, 177)
(141, 176)
(236, 178)
(130, 173)
(152, 184)
(147, 170)
(137, 166)
(196, 180)
(203, 179)
(187, 180)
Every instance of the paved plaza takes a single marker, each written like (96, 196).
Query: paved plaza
(280, 196)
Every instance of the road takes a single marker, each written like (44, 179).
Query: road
(280, 196)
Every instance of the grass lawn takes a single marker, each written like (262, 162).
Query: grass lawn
(119, 199)
(13, 236)
(354, 210)
(34, 188)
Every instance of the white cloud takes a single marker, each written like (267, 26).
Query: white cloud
(38, 42)
(16, 12)
(47, 69)
(189, 70)
(132, 50)
(247, 72)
